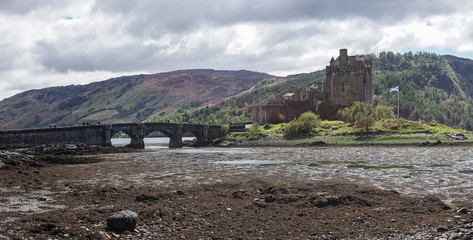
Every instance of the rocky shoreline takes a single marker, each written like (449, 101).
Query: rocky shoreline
(252, 209)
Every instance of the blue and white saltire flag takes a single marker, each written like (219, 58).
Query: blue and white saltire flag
(394, 89)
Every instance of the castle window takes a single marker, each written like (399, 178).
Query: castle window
(343, 87)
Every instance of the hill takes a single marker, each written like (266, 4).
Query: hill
(433, 88)
(124, 99)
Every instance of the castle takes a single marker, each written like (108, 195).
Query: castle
(348, 79)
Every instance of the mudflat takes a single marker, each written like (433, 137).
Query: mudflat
(36, 204)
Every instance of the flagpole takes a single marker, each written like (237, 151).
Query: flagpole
(398, 92)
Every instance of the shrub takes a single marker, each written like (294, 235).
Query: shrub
(303, 125)
(255, 131)
(225, 129)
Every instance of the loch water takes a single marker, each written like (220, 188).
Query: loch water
(446, 172)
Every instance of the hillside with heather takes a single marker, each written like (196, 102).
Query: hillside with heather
(124, 99)
(434, 88)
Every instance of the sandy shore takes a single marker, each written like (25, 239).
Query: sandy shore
(35, 205)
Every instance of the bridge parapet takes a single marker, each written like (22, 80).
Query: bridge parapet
(102, 134)
(90, 135)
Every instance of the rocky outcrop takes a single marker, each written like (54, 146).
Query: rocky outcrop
(12, 159)
(457, 136)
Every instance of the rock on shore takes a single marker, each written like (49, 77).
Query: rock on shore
(14, 159)
(122, 221)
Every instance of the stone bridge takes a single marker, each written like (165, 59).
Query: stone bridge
(102, 134)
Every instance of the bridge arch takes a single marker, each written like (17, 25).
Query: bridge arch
(171, 130)
(133, 130)
(199, 131)
(121, 136)
(149, 135)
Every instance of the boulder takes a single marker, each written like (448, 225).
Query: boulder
(122, 221)
(317, 143)
(457, 136)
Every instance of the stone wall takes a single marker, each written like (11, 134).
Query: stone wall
(268, 114)
(89, 135)
(285, 112)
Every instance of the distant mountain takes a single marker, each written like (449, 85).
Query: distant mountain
(124, 99)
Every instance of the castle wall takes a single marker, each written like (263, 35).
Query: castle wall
(287, 111)
(295, 108)
(268, 114)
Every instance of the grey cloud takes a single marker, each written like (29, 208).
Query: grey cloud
(80, 57)
(6, 58)
(25, 6)
(154, 17)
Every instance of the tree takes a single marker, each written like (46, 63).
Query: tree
(364, 121)
(382, 112)
(360, 113)
(348, 114)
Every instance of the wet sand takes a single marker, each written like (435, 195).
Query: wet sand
(36, 203)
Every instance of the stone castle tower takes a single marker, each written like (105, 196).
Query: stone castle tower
(348, 79)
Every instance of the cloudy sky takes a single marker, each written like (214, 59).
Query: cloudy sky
(57, 42)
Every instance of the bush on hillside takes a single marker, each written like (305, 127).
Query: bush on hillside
(303, 125)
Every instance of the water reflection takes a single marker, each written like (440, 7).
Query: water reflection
(150, 143)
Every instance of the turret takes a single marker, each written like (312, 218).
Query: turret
(343, 57)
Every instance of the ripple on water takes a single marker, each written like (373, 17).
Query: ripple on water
(445, 171)
(251, 162)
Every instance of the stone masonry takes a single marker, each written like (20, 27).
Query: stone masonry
(348, 79)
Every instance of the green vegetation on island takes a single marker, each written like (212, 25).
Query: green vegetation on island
(362, 125)
(388, 131)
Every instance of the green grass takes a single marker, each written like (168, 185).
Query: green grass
(359, 165)
(322, 163)
(272, 127)
(389, 132)
(381, 166)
